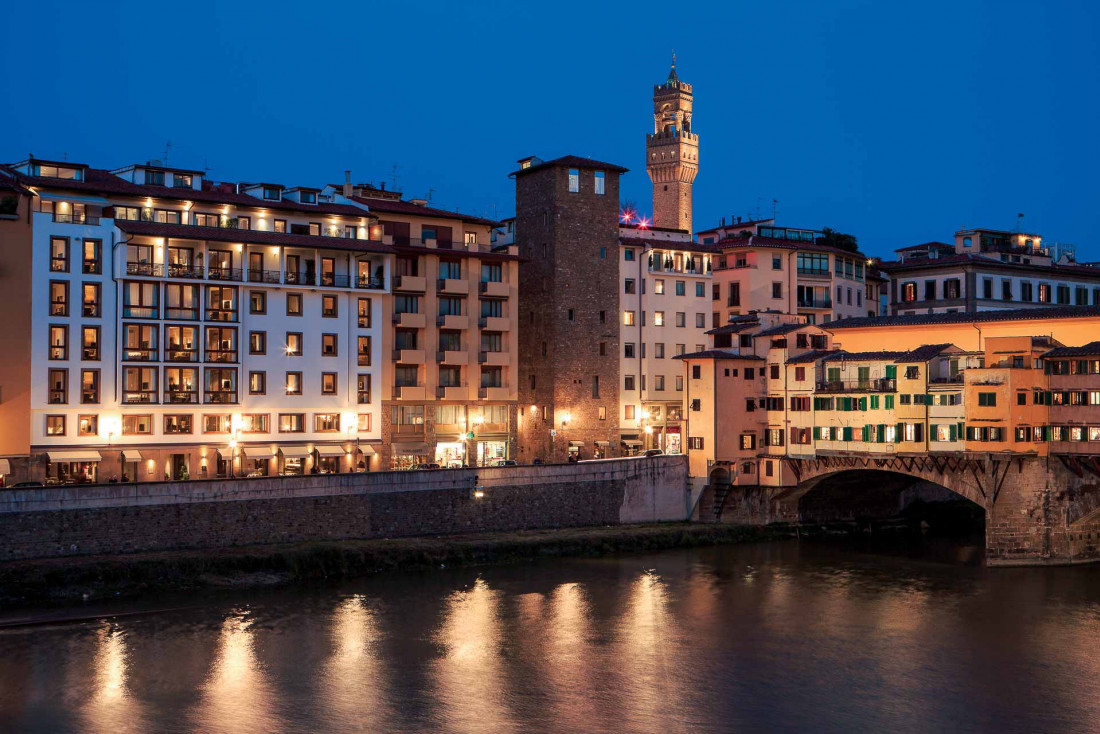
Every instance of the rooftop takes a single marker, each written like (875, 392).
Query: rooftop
(1013, 314)
(571, 161)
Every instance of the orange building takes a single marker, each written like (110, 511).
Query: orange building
(1073, 375)
(1007, 400)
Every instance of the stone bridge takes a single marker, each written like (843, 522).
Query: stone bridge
(1038, 510)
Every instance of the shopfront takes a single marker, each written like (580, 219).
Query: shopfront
(73, 467)
(257, 461)
(600, 448)
(329, 458)
(575, 450)
(632, 445)
(489, 452)
(294, 459)
(409, 455)
(450, 454)
(672, 440)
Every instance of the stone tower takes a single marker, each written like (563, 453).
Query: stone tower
(672, 153)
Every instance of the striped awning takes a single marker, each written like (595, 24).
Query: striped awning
(85, 456)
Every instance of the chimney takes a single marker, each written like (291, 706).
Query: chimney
(383, 185)
(347, 184)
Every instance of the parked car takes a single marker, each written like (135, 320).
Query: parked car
(506, 462)
(654, 452)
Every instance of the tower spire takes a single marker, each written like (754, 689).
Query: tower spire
(672, 152)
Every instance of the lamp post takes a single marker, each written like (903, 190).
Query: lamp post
(353, 430)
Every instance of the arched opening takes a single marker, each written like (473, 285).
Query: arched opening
(872, 501)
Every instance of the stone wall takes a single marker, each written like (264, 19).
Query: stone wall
(127, 518)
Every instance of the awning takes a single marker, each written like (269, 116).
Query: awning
(131, 455)
(330, 450)
(632, 442)
(97, 200)
(367, 450)
(410, 449)
(602, 443)
(74, 456)
(256, 452)
(576, 443)
(294, 452)
(5, 466)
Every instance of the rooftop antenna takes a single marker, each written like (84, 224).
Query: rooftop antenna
(393, 177)
(774, 203)
(167, 150)
(430, 192)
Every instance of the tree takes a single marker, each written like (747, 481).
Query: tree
(839, 240)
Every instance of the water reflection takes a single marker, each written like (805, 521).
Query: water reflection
(469, 681)
(354, 688)
(237, 695)
(111, 705)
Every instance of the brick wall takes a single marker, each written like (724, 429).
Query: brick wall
(117, 518)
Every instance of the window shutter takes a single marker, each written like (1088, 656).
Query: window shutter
(933, 433)
(952, 432)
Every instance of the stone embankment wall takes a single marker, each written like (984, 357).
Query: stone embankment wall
(128, 518)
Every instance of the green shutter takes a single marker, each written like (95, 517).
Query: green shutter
(953, 432)
(889, 402)
(933, 433)
(874, 402)
(817, 433)
(863, 403)
(847, 433)
(891, 372)
(900, 428)
(882, 433)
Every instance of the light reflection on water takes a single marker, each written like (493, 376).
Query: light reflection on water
(740, 638)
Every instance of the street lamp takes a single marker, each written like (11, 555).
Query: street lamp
(353, 430)
(233, 447)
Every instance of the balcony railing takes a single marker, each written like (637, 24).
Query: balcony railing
(868, 385)
(299, 278)
(140, 312)
(181, 314)
(263, 276)
(221, 355)
(826, 302)
(335, 280)
(133, 397)
(147, 269)
(220, 397)
(139, 354)
(76, 219)
(955, 380)
(179, 354)
(219, 273)
(178, 397)
(368, 283)
(179, 270)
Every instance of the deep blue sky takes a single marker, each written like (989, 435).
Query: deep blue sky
(897, 122)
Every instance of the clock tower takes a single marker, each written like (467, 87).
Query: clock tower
(672, 153)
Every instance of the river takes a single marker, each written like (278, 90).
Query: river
(785, 636)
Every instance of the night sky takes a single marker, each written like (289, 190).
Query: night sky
(897, 123)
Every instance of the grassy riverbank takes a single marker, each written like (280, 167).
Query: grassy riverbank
(63, 580)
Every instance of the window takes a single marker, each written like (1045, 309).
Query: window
(293, 383)
(659, 286)
(574, 180)
(628, 254)
(659, 350)
(216, 423)
(364, 347)
(291, 423)
(59, 298)
(91, 264)
(987, 398)
(777, 290)
(658, 383)
(137, 425)
(89, 387)
(363, 422)
(328, 383)
(628, 382)
(362, 389)
(600, 183)
(777, 262)
(681, 288)
(658, 318)
(364, 315)
(493, 377)
(328, 307)
(909, 292)
(59, 342)
(293, 304)
(59, 254)
(55, 425)
(257, 383)
(628, 318)
(328, 345)
(293, 344)
(139, 384)
(87, 425)
(257, 342)
(679, 383)
(326, 422)
(255, 423)
(406, 375)
(748, 441)
(628, 286)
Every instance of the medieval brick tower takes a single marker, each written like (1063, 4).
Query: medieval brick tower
(672, 153)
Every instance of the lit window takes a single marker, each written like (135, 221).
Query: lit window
(574, 180)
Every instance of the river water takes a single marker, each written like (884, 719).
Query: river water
(785, 636)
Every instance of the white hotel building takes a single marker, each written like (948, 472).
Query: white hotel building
(180, 328)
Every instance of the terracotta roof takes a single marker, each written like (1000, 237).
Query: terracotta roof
(812, 356)
(925, 352)
(731, 243)
(932, 319)
(734, 225)
(405, 207)
(889, 356)
(689, 246)
(717, 354)
(572, 161)
(925, 246)
(1092, 349)
(249, 236)
(926, 263)
(780, 330)
(734, 328)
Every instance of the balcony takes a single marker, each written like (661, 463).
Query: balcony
(493, 393)
(217, 273)
(221, 355)
(152, 270)
(499, 359)
(181, 397)
(494, 323)
(496, 289)
(453, 287)
(446, 356)
(954, 380)
(335, 280)
(453, 321)
(185, 271)
(868, 385)
(220, 397)
(410, 320)
(415, 283)
(179, 354)
(825, 302)
(410, 392)
(263, 276)
(452, 392)
(295, 277)
(139, 397)
(409, 356)
(367, 283)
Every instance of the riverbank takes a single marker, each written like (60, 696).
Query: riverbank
(90, 578)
